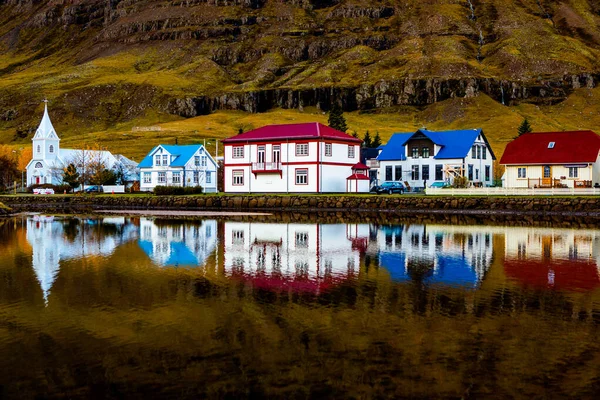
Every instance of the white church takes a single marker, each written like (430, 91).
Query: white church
(49, 160)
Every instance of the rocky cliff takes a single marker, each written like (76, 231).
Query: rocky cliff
(191, 57)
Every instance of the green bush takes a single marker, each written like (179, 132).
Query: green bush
(460, 182)
(176, 190)
(58, 189)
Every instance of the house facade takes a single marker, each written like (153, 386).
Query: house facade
(183, 166)
(49, 160)
(423, 157)
(294, 158)
(552, 159)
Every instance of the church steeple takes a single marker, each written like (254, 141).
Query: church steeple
(45, 130)
(46, 143)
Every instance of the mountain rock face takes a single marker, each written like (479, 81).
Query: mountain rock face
(114, 59)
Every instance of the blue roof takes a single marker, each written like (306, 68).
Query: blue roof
(180, 254)
(183, 153)
(454, 144)
(394, 148)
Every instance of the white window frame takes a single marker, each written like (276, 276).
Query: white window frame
(521, 172)
(328, 150)
(208, 177)
(51, 149)
(573, 172)
(176, 176)
(165, 158)
(196, 176)
(157, 161)
(301, 149)
(204, 162)
(196, 161)
(162, 177)
(351, 151)
(237, 152)
(147, 177)
(301, 176)
(237, 177)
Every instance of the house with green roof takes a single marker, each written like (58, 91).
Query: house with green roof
(183, 166)
(423, 157)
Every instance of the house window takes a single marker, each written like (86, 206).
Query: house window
(470, 172)
(238, 151)
(204, 161)
(51, 149)
(487, 171)
(328, 150)
(398, 173)
(425, 152)
(301, 177)
(302, 149)
(208, 177)
(547, 171)
(425, 172)
(551, 145)
(473, 152)
(196, 175)
(439, 174)
(522, 172)
(415, 152)
(157, 160)
(350, 151)
(39, 165)
(238, 178)
(197, 161)
(573, 172)
(165, 159)
(147, 177)
(476, 173)
(237, 237)
(39, 149)
(484, 153)
(162, 177)
(301, 239)
(388, 172)
(176, 177)
(415, 173)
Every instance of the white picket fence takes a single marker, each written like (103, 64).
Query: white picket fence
(498, 191)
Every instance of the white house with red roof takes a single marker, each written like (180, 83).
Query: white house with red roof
(292, 158)
(552, 159)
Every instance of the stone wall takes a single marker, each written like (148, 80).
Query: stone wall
(568, 205)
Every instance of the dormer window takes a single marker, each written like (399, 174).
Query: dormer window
(165, 159)
(551, 145)
(157, 160)
(51, 149)
(415, 152)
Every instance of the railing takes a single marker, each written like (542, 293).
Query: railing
(498, 191)
(266, 166)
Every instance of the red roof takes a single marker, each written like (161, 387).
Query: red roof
(359, 166)
(575, 275)
(292, 131)
(569, 147)
(358, 177)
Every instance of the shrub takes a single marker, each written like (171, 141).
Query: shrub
(460, 182)
(57, 188)
(176, 190)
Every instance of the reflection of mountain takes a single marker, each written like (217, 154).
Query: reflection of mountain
(56, 240)
(169, 244)
(297, 256)
(553, 258)
(450, 255)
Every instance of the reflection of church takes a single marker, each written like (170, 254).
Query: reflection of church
(300, 256)
(55, 240)
(451, 255)
(176, 244)
(558, 258)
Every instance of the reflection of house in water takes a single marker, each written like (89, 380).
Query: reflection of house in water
(558, 258)
(450, 255)
(56, 240)
(304, 257)
(178, 244)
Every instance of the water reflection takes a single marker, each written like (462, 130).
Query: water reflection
(56, 240)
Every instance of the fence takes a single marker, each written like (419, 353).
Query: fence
(498, 191)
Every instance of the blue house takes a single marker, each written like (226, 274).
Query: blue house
(423, 157)
(173, 165)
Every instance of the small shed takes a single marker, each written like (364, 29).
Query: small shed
(358, 182)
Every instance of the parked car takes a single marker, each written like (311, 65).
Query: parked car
(439, 185)
(93, 189)
(390, 187)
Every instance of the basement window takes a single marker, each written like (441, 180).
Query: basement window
(551, 145)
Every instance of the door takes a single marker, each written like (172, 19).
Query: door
(261, 157)
(547, 176)
(276, 155)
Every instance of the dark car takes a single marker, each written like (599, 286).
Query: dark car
(93, 189)
(390, 187)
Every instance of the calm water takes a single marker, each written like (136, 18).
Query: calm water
(144, 308)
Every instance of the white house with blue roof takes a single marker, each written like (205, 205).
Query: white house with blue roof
(175, 165)
(423, 157)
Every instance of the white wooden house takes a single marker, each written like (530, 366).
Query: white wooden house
(423, 157)
(184, 166)
(310, 158)
(552, 159)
